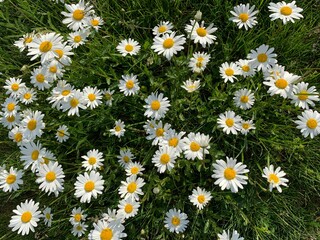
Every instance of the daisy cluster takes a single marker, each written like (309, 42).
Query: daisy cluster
(54, 51)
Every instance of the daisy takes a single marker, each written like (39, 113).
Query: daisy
(24, 42)
(31, 155)
(40, 79)
(196, 145)
(92, 97)
(246, 68)
(157, 106)
(125, 157)
(10, 121)
(28, 95)
(230, 122)
(93, 160)
(128, 208)
(282, 84)
(230, 174)
(285, 11)
(128, 46)
(246, 126)
(108, 96)
(33, 125)
(54, 69)
(106, 230)
(275, 177)
(95, 22)
(10, 107)
(273, 72)
(16, 134)
(199, 61)
(118, 129)
(48, 157)
(244, 98)
(62, 133)
(73, 103)
(244, 16)
(14, 87)
(176, 221)
(309, 123)
(75, 39)
(168, 44)
(134, 168)
(201, 34)
(131, 188)
(79, 229)
(162, 28)
(10, 180)
(77, 216)
(63, 92)
(129, 85)
(165, 158)
(262, 58)
(191, 86)
(230, 236)
(47, 216)
(229, 71)
(173, 139)
(157, 132)
(302, 96)
(44, 45)
(77, 15)
(63, 54)
(51, 178)
(88, 185)
(26, 218)
(112, 216)
(200, 197)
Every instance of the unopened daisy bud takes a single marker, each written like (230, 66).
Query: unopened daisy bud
(156, 190)
(198, 16)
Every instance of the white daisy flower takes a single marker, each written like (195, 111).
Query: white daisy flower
(165, 158)
(129, 85)
(229, 71)
(309, 123)
(162, 28)
(246, 126)
(230, 174)
(196, 145)
(176, 221)
(230, 236)
(112, 216)
(128, 46)
(118, 129)
(199, 61)
(31, 155)
(95, 22)
(28, 95)
(26, 218)
(125, 157)
(33, 125)
(191, 86)
(63, 54)
(16, 134)
(275, 177)
(131, 188)
(51, 178)
(244, 98)
(40, 79)
(168, 44)
(77, 216)
(134, 168)
(107, 230)
(128, 208)
(10, 107)
(92, 97)
(10, 180)
(303, 97)
(48, 157)
(47, 216)
(88, 186)
(62, 133)
(173, 139)
(108, 96)
(246, 68)
(273, 72)
(63, 92)
(200, 197)
(75, 39)
(200, 33)
(54, 69)
(14, 87)
(262, 58)
(24, 41)
(79, 229)
(73, 103)
(244, 16)
(10, 121)
(93, 160)
(157, 106)
(287, 12)
(157, 132)
(229, 122)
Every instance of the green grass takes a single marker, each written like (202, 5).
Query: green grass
(254, 211)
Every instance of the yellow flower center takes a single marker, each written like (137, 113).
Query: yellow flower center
(245, 68)
(201, 32)
(128, 208)
(74, 102)
(11, 107)
(201, 198)
(32, 124)
(65, 93)
(199, 64)
(262, 57)
(286, 10)
(35, 155)
(243, 17)
(26, 217)
(128, 48)
(92, 160)
(194, 146)
(18, 137)
(117, 128)
(59, 52)
(108, 96)
(61, 133)
(244, 99)
(155, 105)
(77, 39)
(45, 160)
(175, 221)
(106, 234)
(11, 118)
(273, 178)
(229, 173)
(53, 69)
(89, 186)
(162, 29)
(50, 176)
(91, 97)
(165, 158)
(78, 15)
(40, 78)
(27, 96)
(229, 122)
(303, 95)
(229, 72)
(48, 216)
(126, 159)
(312, 123)
(45, 46)
(77, 217)
(245, 125)
(281, 83)
(168, 43)
(94, 22)
(159, 132)
(11, 179)
(28, 40)
(15, 87)
(173, 142)
(79, 227)
(129, 84)
(132, 187)
(134, 170)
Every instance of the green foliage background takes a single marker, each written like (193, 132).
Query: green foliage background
(254, 212)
